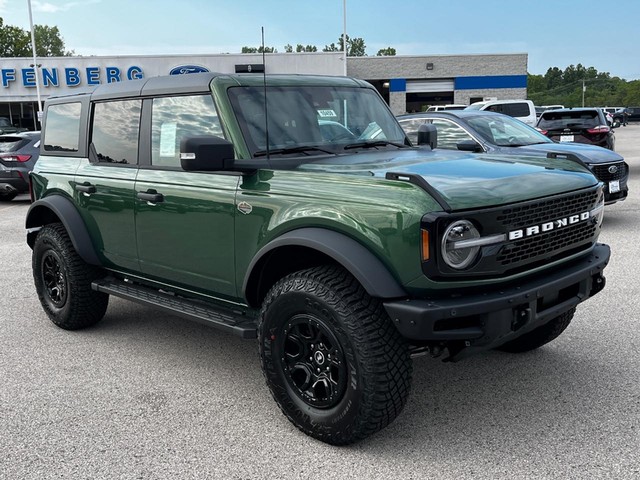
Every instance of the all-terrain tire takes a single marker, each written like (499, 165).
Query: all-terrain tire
(540, 336)
(337, 367)
(63, 281)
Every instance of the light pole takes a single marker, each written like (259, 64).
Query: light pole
(35, 63)
(344, 34)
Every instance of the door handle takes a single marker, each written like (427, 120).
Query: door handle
(86, 188)
(151, 196)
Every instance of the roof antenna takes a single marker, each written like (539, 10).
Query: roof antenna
(264, 82)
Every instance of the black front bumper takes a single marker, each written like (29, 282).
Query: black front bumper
(481, 321)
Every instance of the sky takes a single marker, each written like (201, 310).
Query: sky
(554, 33)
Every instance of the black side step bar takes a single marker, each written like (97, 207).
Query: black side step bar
(236, 323)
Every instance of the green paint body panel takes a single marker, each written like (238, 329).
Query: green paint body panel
(199, 240)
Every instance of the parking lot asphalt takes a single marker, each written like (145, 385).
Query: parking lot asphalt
(146, 395)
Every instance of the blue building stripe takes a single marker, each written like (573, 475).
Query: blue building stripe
(398, 85)
(495, 81)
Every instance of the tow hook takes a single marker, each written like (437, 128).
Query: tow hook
(521, 317)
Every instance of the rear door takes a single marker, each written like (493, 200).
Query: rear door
(104, 184)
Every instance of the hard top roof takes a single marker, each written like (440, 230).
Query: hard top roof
(198, 83)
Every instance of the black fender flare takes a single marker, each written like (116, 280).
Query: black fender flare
(372, 274)
(63, 208)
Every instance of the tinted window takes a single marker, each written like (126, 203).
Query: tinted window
(62, 128)
(114, 133)
(12, 144)
(516, 109)
(174, 118)
(554, 119)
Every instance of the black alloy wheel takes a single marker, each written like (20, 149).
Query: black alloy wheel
(313, 361)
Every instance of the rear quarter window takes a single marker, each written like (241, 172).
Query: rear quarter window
(62, 127)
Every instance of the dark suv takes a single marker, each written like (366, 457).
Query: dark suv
(18, 155)
(222, 198)
(579, 125)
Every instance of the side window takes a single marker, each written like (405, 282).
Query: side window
(115, 130)
(410, 127)
(517, 109)
(174, 118)
(62, 128)
(449, 134)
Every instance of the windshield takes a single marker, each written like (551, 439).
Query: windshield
(323, 118)
(506, 131)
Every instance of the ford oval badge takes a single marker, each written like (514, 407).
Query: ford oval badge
(184, 69)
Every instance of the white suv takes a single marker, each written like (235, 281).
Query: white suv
(523, 110)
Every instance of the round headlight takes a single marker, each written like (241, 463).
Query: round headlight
(598, 212)
(454, 251)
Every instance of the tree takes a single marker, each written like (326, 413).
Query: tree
(259, 49)
(16, 42)
(288, 48)
(565, 87)
(355, 47)
(386, 52)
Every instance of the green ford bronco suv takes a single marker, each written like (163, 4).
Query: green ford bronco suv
(294, 209)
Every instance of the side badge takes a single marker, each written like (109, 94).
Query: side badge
(245, 208)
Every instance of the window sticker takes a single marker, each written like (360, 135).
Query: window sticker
(327, 113)
(168, 139)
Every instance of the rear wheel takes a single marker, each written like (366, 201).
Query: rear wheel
(63, 281)
(540, 336)
(336, 366)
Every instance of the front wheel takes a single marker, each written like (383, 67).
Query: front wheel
(63, 281)
(540, 336)
(336, 366)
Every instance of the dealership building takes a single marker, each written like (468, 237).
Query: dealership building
(407, 83)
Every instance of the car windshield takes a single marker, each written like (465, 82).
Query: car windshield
(313, 120)
(557, 120)
(506, 131)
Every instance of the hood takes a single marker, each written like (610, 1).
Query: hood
(590, 154)
(468, 180)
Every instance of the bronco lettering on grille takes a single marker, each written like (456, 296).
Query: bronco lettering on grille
(548, 226)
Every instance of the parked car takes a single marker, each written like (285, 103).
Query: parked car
(633, 115)
(523, 110)
(7, 127)
(494, 133)
(18, 155)
(579, 125)
(451, 106)
(342, 257)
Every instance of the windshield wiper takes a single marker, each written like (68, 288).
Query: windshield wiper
(377, 143)
(296, 149)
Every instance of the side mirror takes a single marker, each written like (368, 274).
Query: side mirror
(469, 146)
(428, 135)
(206, 153)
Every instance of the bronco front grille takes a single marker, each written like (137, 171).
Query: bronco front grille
(534, 233)
(546, 210)
(545, 244)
